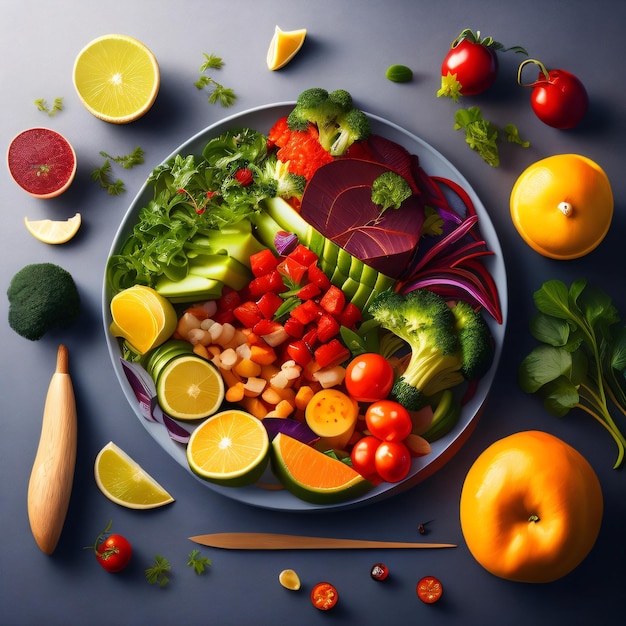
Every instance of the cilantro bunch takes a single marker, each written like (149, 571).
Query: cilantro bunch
(581, 360)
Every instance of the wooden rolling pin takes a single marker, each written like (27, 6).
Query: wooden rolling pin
(51, 479)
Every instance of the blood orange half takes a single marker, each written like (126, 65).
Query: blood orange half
(42, 162)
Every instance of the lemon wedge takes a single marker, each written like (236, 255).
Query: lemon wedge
(284, 46)
(123, 481)
(53, 231)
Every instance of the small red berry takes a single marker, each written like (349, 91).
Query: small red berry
(244, 177)
(379, 571)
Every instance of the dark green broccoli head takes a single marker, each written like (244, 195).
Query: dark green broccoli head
(475, 340)
(42, 296)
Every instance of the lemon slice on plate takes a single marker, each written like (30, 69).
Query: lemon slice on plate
(284, 46)
(117, 78)
(53, 231)
(190, 388)
(123, 481)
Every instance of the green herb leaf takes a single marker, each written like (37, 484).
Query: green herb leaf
(129, 160)
(42, 105)
(224, 95)
(581, 360)
(157, 573)
(199, 563)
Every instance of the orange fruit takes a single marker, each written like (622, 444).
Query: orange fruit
(314, 476)
(117, 78)
(285, 44)
(562, 206)
(42, 162)
(531, 508)
(231, 448)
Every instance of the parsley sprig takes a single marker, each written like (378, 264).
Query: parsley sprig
(157, 573)
(104, 174)
(42, 106)
(197, 562)
(482, 136)
(224, 95)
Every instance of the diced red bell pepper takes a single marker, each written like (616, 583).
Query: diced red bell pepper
(271, 281)
(300, 352)
(292, 269)
(307, 312)
(309, 291)
(229, 300)
(304, 152)
(278, 134)
(327, 327)
(294, 328)
(303, 255)
(265, 327)
(316, 275)
(263, 262)
(248, 313)
(333, 301)
(331, 353)
(268, 304)
(310, 337)
(350, 316)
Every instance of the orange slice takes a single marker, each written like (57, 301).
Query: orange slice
(230, 448)
(285, 44)
(562, 206)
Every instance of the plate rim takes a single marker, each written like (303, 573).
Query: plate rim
(443, 449)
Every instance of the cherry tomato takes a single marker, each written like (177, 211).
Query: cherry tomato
(559, 99)
(363, 456)
(114, 553)
(429, 589)
(393, 461)
(379, 571)
(474, 65)
(324, 596)
(369, 377)
(388, 420)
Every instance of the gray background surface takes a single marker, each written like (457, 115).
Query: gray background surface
(350, 45)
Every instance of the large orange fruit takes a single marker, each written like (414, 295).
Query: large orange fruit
(562, 206)
(531, 508)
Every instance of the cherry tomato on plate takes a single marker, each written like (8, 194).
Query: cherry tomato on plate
(558, 99)
(379, 571)
(388, 420)
(369, 377)
(429, 589)
(324, 596)
(363, 456)
(113, 552)
(393, 461)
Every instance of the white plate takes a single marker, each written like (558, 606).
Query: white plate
(261, 119)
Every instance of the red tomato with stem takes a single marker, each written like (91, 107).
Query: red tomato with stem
(388, 420)
(471, 65)
(363, 456)
(392, 461)
(559, 99)
(113, 552)
(369, 377)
